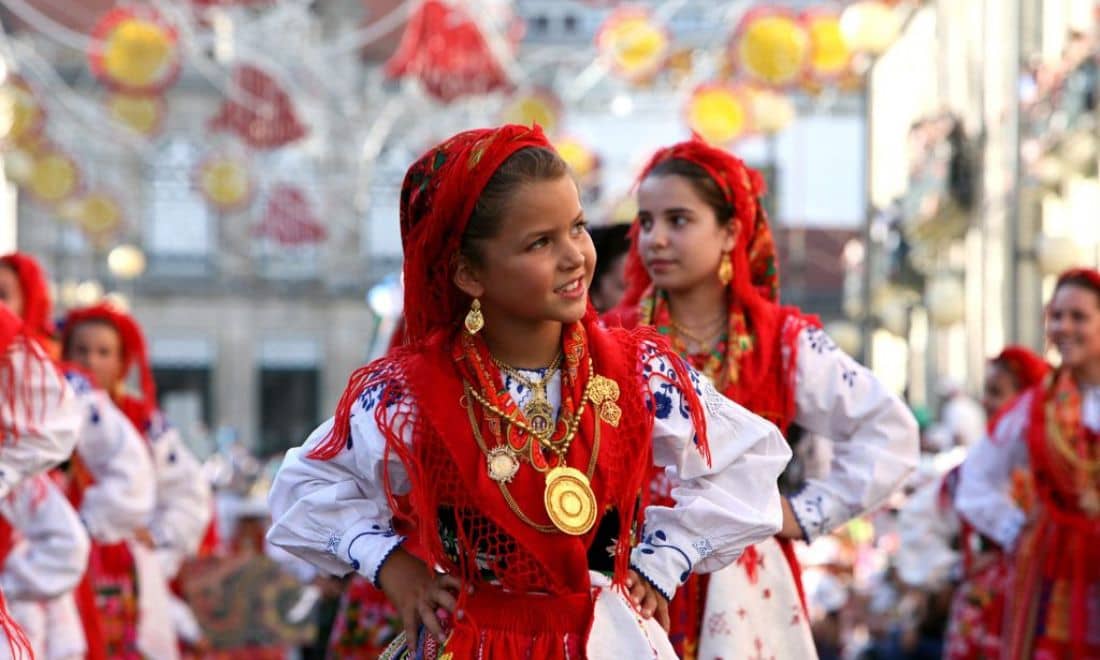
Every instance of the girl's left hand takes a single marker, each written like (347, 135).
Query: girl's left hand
(648, 601)
(791, 529)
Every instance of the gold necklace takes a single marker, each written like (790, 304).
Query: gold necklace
(537, 410)
(702, 342)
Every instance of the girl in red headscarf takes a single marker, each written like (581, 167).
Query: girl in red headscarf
(702, 271)
(130, 576)
(937, 543)
(1051, 432)
(108, 481)
(511, 436)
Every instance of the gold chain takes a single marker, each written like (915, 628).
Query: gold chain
(1065, 449)
(530, 384)
(702, 342)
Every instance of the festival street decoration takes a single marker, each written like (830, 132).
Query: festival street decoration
(720, 114)
(54, 176)
(264, 116)
(289, 219)
(771, 47)
(538, 106)
(225, 182)
(634, 46)
(135, 50)
(141, 113)
(21, 111)
(830, 55)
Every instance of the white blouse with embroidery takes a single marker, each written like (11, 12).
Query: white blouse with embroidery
(984, 496)
(875, 442)
(40, 425)
(185, 500)
(335, 514)
(121, 499)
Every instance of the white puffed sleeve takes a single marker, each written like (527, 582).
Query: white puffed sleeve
(40, 420)
(875, 440)
(123, 494)
(721, 508)
(984, 497)
(334, 513)
(51, 551)
(184, 500)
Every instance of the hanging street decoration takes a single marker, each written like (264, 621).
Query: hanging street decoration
(135, 50)
(142, 113)
(580, 158)
(830, 56)
(224, 182)
(445, 50)
(289, 219)
(97, 213)
(21, 113)
(771, 111)
(633, 44)
(538, 106)
(264, 116)
(719, 113)
(771, 47)
(53, 177)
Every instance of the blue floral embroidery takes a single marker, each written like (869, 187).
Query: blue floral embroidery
(78, 382)
(376, 530)
(664, 405)
(703, 547)
(333, 543)
(813, 520)
(849, 376)
(819, 341)
(657, 540)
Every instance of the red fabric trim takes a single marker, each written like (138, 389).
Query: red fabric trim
(36, 296)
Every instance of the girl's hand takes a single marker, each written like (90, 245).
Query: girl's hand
(648, 601)
(791, 529)
(418, 594)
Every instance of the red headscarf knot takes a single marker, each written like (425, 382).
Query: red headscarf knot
(1028, 368)
(1089, 274)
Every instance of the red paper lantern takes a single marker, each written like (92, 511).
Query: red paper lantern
(444, 49)
(289, 219)
(263, 117)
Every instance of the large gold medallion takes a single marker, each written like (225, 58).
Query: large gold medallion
(570, 502)
(503, 464)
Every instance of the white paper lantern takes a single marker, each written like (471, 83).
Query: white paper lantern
(870, 26)
(945, 299)
(88, 292)
(1057, 254)
(894, 316)
(126, 262)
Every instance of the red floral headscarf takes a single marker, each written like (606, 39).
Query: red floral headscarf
(36, 295)
(1025, 365)
(134, 353)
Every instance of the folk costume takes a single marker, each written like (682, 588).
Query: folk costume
(778, 363)
(439, 445)
(1051, 431)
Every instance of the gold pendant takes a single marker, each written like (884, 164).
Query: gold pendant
(611, 413)
(502, 463)
(569, 500)
(601, 389)
(540, 416)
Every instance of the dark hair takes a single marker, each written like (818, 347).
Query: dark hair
(528, 165)
(612, 242)
(1082, 278)
(704, 185)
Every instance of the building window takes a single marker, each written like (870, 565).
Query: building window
(570, 23)
(288, 407)
(540, 24)
(179, 222)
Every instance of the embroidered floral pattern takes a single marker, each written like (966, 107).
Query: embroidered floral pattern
(658, 540)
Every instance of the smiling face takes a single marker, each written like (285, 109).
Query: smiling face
(538, 265)
(1073, 325)
(681, 239)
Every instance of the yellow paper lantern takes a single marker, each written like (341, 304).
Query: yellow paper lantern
(829, 52)
(537, 107)
(870, 26)
(634, 45)
(577, 155)
(141, 113)
(53, 177)
(772, 46)
(21, 115)
(99, 214)
(771, 111)
(135, 50)
(225, 182)
(718, 113)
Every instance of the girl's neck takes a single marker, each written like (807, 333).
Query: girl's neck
(699, 305)
(523, 344)
(1088, 374)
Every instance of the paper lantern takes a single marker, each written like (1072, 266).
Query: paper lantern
(444, 48)
(539, 106)
(720, 114)
(224, 182)
(830, 55)
(88, 292)
(772, 46)
(1057, 254)
(771, 111)
(98, 214)
(141, 113)
(135, 50)
(264, 116)
(577, 155)
(18, 165)
(870, 26)
(126, 262)
(945, 299)
(53, 177)
(289, 218)
(21, 113)
(634, 45)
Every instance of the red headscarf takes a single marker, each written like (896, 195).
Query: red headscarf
(1025, 365)
(36, 295)
(138, 409)
(754, 378)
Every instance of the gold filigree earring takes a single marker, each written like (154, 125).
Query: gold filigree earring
(725, 269)
(474, 320)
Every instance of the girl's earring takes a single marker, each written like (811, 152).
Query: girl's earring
(725, 269)
(474, 320)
